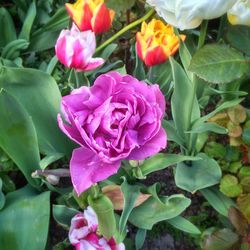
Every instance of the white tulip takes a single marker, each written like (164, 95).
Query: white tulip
(188, 14)
(240, 13)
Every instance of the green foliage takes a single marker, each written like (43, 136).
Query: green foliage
(120, 5)
(24, 220)
(198, 174)
(230, 186)
(218, 64)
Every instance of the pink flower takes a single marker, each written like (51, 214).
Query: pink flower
(75, 49)
(117, 118)
(83, 233)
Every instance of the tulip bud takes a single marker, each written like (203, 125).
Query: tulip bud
(156, 42)
(53, 179)
(75, 49)
(91, 15)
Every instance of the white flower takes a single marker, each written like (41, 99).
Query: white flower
(240, 13)
(188, 14)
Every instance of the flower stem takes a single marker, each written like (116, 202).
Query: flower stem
(125, 29)
(203, 34)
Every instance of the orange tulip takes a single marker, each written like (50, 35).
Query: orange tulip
(156, 42)
(91, 15)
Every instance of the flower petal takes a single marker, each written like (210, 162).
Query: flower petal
(86, 169)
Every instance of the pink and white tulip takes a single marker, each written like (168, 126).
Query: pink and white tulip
(83, 233)
(75, 49)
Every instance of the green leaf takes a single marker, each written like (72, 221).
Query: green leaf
(140, 238)
(139, 71)
(246, 136)
(7, 31)
(28, 22)
(63, 215)
(40, 96)
(239, 37)
(155, 209)
(230, 186)
(130, 194)
(161, 74)
(107, 51)
(172, 132)
(184, 225)
(218, 200)
(18, 135)
(215, 150)
(198, 175)
(162, 161)
(120, 5)
(182, 99)
(24, 221)
(218, 64)
(2, 197)
(208, 127)
(48, 159)
(104, 210)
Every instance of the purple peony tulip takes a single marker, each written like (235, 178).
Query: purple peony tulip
(118, 118)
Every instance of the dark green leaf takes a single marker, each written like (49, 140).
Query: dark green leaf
(18, 136)
(140, 238)
(24, 221)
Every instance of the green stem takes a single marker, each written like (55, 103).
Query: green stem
(203, 34)
(125, 29)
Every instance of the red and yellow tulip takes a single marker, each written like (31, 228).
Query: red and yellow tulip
(156, 42)
(91, 15)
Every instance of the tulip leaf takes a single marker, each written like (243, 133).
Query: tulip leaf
(130, 194)
(140, 238)
(104, 210)
(40, 96)
(24, 221)
(162, 161)
(63, 215)
(2, 197)
(18, 136)
(7, 31)
(218, 64)
(198, 175)
(184, 225)
(208, 127)
(218, 200)
(182, 100)
(158, 209)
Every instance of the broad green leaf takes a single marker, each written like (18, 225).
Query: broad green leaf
(223, 239)
(7, 31)
(107, 51)
(230, 186)
(18, 136)
(120, 5)
(198, 175)
(139, 71)
(184, 225)
(218, 200)
(239, 37)
(246, 136)
(140, 238)
(154, 210)
(162, 161)
(104, 210)
(218, 64)
(28, 22)
(182, 99)
(2, 197)
(130, 194)
(24, 221)
(40, 96)
(63, 215)
(208, 127)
